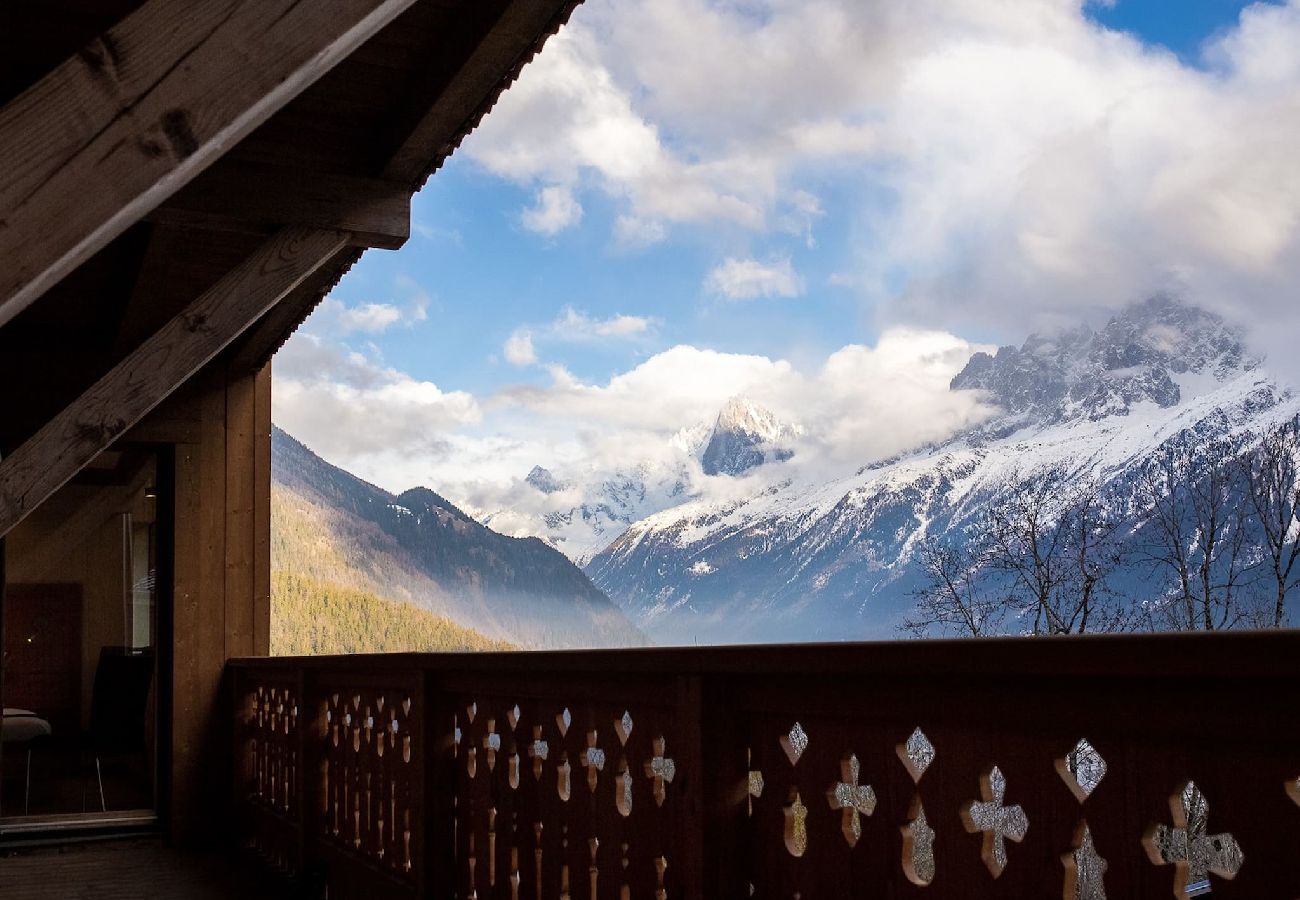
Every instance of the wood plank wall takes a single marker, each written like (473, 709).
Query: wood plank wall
(221, 581)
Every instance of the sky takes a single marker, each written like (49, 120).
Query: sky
(823, 205)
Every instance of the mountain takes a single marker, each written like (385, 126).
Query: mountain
(417, 548)
(584, 512)
(809, 559)
(746, 435)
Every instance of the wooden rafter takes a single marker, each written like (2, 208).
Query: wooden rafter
(144, 378)
(258, 199)
(460, 103)
(121, 126)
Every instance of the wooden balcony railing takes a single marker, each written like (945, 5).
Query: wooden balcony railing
(1131, 767)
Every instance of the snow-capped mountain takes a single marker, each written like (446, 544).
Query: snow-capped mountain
(746, 435)
(808, 559)
(582, 512)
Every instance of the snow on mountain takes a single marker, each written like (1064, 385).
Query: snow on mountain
(745, 435)
(800, 558)
(543, 480)
(582, 512)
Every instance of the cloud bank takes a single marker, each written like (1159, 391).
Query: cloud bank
(1008, 160)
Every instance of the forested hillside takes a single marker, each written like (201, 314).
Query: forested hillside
(311, 617)
(361, 548)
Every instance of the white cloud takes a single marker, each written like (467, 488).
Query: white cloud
(554, 210)
(335, 318)
(370, 318)
(633, 231)
(519, 350)
(355, 411)
(576, 326)
(858, 404)
(746, 279)
(1011, 163)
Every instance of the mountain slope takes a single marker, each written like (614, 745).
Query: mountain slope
(312, 617)
(807, 559)
(582, 514)
(419, 549)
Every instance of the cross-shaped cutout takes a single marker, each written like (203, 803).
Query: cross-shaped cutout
(623, 789)
(1085, 870)
(512, 770)
(995, 819)
(661, 769)
(563, 780)
(492, 743)
(593, 760)
(796, 825)
(918, 845)
(856, 800)
(1193, 853)
(538, 750)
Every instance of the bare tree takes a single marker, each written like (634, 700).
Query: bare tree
(1057, 549)
(1200, 535)
(1273, 483)
(1044, 555)
(1088, 602)
(1029, 551)
(951, 599)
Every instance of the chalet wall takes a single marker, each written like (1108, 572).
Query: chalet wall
(221, 582)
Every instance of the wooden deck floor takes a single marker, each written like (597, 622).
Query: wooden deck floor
(138, 869)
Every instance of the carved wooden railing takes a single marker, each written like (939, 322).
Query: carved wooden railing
(1135, 767)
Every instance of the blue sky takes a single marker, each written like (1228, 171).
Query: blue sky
(806, 198)
(1181, 25)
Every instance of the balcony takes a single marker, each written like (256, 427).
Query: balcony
(1124, 767)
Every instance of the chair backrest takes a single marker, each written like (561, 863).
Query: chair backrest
(119, 700)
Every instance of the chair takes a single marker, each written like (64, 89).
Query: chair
(118, 705)
(22, 726)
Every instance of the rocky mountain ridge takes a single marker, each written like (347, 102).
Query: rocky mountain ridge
(804, 559)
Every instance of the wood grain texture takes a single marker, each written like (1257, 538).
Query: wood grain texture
(462, 103)
(262, 514)
(240, 502)
(1160, 709)
(146, 377)
(258, 199)
(144, 108)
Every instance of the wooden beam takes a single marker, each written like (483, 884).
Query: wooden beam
(148, 105)
(513, 39)
(259, 199)
(144, 378)
(256, 346)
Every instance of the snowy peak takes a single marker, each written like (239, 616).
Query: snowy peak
(543, 480)
(745, 435)
(1137, 357)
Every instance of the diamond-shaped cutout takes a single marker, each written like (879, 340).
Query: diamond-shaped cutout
(795, 743)
(563, 721)
(916, 754)
(623, 727)
(470, 712)
(1082, 769)
(512, 716)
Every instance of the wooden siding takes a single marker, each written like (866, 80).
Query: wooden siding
(221, 583)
